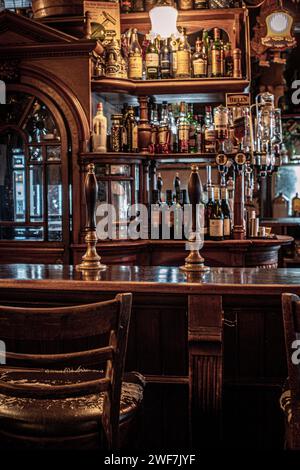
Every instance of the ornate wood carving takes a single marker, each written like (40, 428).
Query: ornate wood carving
(9, 70)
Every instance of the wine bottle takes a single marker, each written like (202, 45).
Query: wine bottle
(216, 220)
(228, 60)
(165, 63)
(192, 130)
(173, 130)
(226, 213)
(173, 45)
(164, 130)
(216, 54)
(152, 61)
(208, 210)
(296, 205)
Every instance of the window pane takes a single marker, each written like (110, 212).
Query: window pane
(22, 233)
(101, 170)
(54, 203)
(53, 153)
(35, 154)
(12, 183)
(36, 193)
(40, 124)
(120, 170)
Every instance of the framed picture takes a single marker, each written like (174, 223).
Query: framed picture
(105, 18)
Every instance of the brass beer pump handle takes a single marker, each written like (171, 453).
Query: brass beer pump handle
(91, 261)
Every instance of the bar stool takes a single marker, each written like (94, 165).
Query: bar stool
(72, 400)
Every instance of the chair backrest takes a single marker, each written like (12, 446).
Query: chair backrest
(291, 322)
(109, 319)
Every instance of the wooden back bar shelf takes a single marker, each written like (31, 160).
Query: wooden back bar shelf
(214, 339)
(39, 51)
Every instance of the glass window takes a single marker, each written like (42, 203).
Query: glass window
(30, 171)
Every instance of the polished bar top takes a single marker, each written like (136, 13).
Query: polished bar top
(158, 279)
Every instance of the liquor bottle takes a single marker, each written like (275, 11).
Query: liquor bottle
(208, 210)
(199, 133)
(222, 58)
(199, 60)
(165, 63)
(126, 6)
(156, 216)
(237, 63)
(183, 57)
(209, 135)
(228, 60)
(216, 54)
(177, 186)
(296, 206)
(169, 213)
(192, 130)
(131, 130)
(164, 130)
(99, 130)
(221, 123)
(200, 4)
(173, 130)
(185, 4)
(152, 61)
(154, 128)
(226, 213)
(216, 220)
(209, 57)
(183, 128)
(135, 60)
(173, 46)
(160, 184)
(116, 133)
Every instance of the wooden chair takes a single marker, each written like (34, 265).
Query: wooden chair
(64, 400)
(290, 398)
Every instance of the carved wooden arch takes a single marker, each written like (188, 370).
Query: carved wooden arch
(78, 124)
(61, 125)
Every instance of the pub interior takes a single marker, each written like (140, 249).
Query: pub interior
(149, 225)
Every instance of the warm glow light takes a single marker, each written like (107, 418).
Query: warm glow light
(279, 22)
(163, 21)
(279, 30)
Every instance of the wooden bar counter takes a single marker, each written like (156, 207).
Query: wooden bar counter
(211, 344)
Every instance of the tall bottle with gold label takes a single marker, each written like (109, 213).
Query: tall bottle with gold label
(183, 57)
(173, 46)
(135, 60)
(152, 61)
(216, 58)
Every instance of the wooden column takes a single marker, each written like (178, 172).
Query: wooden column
(205, 369)
(238, 228)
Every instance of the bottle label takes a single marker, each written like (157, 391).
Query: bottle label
(210, 140)
(216, 227)
(183, 132)
(183, 62)
(163, 135)
(221, 121)
(227, 227)
(199, 67)
(174, 61)
(135, 69)
(216, 62)
(151, 60)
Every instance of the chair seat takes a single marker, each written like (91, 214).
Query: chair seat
(80, 414)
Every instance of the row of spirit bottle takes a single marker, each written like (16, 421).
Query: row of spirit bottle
(128, 6)
(174, 129)
(171, 58)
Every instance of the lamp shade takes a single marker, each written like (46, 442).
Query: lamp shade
(163, 21)
(279, 30)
